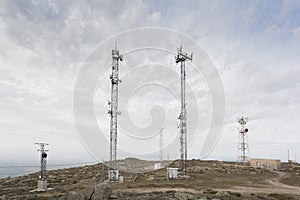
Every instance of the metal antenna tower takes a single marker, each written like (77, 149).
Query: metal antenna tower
(113, 113)
(182, 57)
(243, 147)
(42, 182)
(43, 160)
(161, 146)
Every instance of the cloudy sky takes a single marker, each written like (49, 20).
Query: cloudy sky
(254, 45)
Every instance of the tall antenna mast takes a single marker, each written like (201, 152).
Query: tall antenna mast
(113, 113)
(182, 58)
(243, 147)
(161, 146)
(42, 182)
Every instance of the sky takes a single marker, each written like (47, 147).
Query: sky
(45, 45)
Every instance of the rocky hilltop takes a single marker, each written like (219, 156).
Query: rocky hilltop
(204, 180)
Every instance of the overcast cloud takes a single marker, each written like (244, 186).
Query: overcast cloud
(255, 46)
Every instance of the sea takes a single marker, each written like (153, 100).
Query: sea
(20, 170)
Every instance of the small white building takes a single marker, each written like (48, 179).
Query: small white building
(172, 173)
(157, 166)
(113, 175)
(265, 163)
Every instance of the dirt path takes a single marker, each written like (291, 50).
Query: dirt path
(273, 186)
(276, 181)
(149, 190)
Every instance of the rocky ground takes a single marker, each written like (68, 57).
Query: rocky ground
(204, 180)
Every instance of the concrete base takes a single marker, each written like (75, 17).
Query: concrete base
(121, 179)
(38, 190)
(42, 185)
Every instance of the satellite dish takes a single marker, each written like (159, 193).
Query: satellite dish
(44, 155)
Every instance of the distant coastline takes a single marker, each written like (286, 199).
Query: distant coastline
(18, 170)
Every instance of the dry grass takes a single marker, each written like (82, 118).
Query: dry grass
(203, 175)
(293, 179)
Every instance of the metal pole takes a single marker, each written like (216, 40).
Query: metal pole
(43, 157)
(161, 146)
(182, 119)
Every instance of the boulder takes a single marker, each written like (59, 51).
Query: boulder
(88, 192)
(102, 191)
(72, 195)
(184, 196)
(4, 197)
(223, 193)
